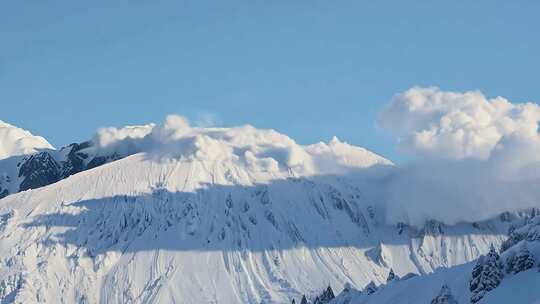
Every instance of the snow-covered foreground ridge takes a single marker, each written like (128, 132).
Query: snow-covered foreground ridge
(174, 214)
(507, 274)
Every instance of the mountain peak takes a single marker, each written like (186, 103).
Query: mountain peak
(16, 141)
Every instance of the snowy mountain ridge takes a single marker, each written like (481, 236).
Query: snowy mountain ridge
(16, 141)
(260, 150)
(38, 169)
(143, 227)
(506, 274)
(170, 213)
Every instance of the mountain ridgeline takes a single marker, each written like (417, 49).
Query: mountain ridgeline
(235, 215)
(48, 166)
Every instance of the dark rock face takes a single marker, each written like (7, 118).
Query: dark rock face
(39, 170)
(370, 288)
(409, 275)
(3, 189)
(42, 169)
(75, 159)
(391, 276)
(3, 193)
(101, 160)
(97, 161)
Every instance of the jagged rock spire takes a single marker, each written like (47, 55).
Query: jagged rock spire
(370, 288)
(391, 276)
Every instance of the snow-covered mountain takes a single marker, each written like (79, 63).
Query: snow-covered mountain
(507, 274)
(30, 162)
(16, 141)
(31, 167)
(38, 169)
(174, 214)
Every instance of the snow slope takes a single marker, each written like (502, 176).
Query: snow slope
(15, 145)
(258, 150)
(518, 288)
(518, 284)
(227, 216)
(16, 141)
(423, 289)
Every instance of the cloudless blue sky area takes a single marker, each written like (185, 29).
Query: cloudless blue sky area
(310, 69)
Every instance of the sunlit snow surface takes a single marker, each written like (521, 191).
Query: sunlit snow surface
(515, 288)
(217, 215)
(147, 229)
(15, 141)
(182, 214)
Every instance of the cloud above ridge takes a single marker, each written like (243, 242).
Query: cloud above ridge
(259, 150)
(474, 157)
(432, 123)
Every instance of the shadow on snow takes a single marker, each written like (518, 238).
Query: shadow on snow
(315, 212)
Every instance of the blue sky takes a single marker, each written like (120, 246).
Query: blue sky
(310, 69)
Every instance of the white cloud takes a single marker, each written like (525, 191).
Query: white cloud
(207, 120)
(475, 157)
(438, 124)
(109, 136)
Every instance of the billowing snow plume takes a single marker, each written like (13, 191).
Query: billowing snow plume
(475, 157)
(258, 150)
(16, 141)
